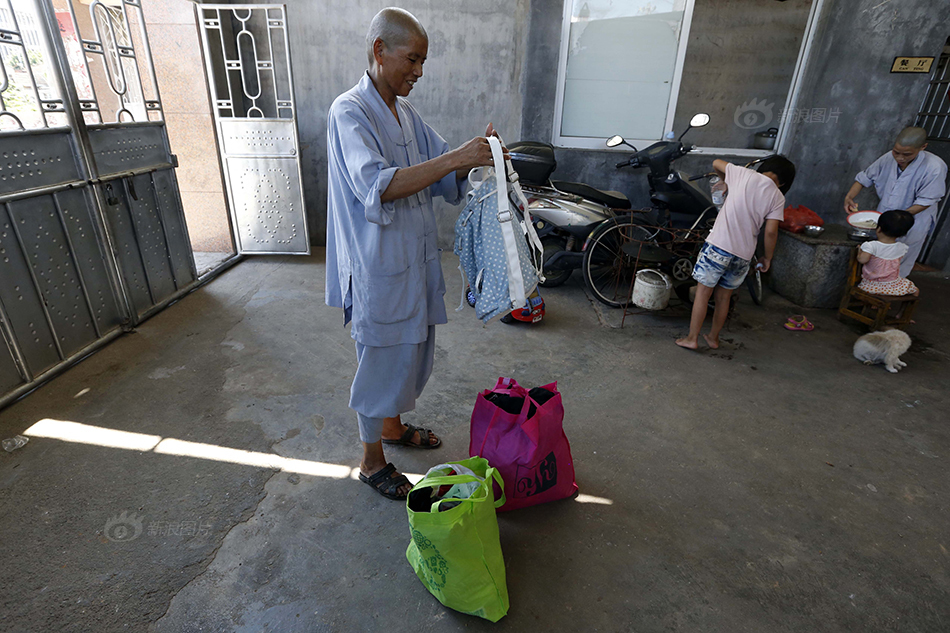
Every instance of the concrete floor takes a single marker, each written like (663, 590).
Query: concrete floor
(775, 485)
(205, 261)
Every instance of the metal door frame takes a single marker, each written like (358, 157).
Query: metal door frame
(100, 174)
(934, 116)
(218, 104)
(94, 177)
(72, 135)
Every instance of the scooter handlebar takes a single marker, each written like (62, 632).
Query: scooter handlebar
(629, 162)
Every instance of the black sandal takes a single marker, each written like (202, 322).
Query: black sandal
(385, 484)
(406, 439)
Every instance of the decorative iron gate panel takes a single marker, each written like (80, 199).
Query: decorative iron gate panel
(247, 55)
(138, 232)
(76, 210)
(36, 158)
(265, 190)
(25, 312)
(92, 233)
(128, 147)
(127, 144)
(41, 233)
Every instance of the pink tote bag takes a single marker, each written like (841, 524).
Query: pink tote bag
(528, 447)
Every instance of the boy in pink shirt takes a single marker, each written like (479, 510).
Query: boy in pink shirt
(755, 198)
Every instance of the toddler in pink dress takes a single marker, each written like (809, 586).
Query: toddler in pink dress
(881, 258)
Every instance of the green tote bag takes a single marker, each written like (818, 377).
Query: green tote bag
(456, 553)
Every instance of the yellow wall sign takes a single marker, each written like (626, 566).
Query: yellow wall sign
(912, 64)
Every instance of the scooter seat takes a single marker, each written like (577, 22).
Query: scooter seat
(613, 199)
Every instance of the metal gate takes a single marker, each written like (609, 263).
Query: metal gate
(92, 233)
(934, 116)
(247, 54)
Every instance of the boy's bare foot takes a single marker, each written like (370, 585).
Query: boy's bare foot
(712, 342)
(687, 343)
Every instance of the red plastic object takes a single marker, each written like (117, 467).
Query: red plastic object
(797, 218)
(533, 312)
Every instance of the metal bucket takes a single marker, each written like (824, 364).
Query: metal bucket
(765, 140)
(652, 289)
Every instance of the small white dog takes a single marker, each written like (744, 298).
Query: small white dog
(885, 347)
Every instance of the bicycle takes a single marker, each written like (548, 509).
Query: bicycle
(620, 247)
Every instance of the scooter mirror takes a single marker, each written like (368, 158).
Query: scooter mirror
(614, 141)
(699, 120)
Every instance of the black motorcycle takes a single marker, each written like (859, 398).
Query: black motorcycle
(620, 246)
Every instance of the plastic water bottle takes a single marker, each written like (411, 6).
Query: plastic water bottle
(718, 195)
(12, 443)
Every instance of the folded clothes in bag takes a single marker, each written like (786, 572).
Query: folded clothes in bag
(513, 404)
(422, 499)
(456, 553)
(520, 432)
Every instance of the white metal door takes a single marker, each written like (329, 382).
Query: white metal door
(247, 55)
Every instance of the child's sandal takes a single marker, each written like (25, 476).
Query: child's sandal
(798, 323)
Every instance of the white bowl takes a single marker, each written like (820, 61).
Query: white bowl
(864, 216)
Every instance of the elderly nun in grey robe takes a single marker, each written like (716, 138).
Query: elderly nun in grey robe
(383, 262)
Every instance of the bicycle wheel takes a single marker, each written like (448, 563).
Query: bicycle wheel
(754, 282)
(608, 271)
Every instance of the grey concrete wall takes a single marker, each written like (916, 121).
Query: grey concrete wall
(855, 44)
(849, 69)
(472, 76)
(739, 51)
(540, 90)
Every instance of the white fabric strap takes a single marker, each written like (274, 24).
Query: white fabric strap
(464, 299)
(528, 225)
(476, 177)
(516, 290)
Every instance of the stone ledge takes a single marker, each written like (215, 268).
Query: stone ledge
(811, 271)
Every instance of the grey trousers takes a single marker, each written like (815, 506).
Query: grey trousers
(915, 238)
(388, 381)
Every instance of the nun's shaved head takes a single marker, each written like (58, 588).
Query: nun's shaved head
(915, 137)
(395, 27)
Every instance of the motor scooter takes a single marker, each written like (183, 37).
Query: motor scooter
(621, 245)
(564, 212)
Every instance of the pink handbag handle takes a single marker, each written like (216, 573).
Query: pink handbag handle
(508, 386)
(494, 416)
(506, 383)
(532, 431)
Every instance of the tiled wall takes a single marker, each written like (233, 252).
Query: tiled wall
(181, 79)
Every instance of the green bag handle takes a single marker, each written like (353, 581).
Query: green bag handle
(492, 473)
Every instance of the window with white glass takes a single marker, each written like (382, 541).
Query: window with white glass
(642, 68)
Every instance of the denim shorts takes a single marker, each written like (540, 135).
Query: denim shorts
(716, 267)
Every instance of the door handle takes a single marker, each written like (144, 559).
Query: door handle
(111, 199)
(131, 185)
